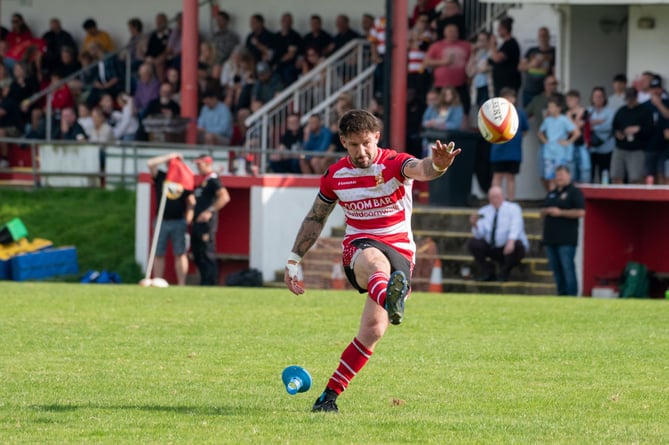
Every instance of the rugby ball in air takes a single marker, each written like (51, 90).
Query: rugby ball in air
(498, 120)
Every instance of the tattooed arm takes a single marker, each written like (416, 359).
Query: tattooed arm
(311, 228)
(431, 168)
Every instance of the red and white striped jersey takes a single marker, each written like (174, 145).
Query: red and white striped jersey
(416, 59)
(377, 200)
(377, 35)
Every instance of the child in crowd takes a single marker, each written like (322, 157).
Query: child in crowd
(557, 135)
(505, 158)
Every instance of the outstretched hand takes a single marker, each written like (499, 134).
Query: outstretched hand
(291, 278)
(443, 155)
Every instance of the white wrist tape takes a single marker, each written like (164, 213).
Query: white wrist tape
(292, 270)
(440, 170)
(294, 257)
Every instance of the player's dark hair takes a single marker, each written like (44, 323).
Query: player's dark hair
(358, 122)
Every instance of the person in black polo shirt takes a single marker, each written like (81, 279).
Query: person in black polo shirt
(177, 215)
(211, 196)
(563, 206)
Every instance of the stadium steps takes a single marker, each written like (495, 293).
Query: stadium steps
(443, 233)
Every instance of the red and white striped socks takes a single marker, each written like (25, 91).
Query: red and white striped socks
(353, 359)
(377, 287)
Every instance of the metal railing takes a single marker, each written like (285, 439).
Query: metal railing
(349, 69)
(49, 90)
(480, 16)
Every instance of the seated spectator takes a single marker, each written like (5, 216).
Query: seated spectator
(224, 40)
(68, 63)
(260, 42)
(214, 125)
(10, 122)
(101, 130)
(499, 235)
(312, 57)
(156, 51)
(124, 123)
(82, 85)
(21, 89)
(67, 128)
(602, 141)
(317, 139)
(268, 84)
(164, 105)
(231, 75)
(239, 129)
(448, 114)
(148, 87)
(281, 160)
(97, 36)
(505, 158)
(557, 135)
(55, 40)
(173, 76)
(5, 80)
(344, 32)
(288, 49)
(248, 79)
(344, 103)
(207, 58)
(137, 44)
(318, 38)
(62, 97)
(536, 109)
(108, 78)
(36, 128)
(632, 128)
(85, 119)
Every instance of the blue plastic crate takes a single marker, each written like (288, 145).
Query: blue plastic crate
(5, 269)
(47, 263)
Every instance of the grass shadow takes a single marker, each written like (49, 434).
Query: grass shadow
(178, 409)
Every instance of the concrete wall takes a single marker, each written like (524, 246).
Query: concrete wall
(647, 48)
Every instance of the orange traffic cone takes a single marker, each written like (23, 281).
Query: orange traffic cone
(436, 278)
(337, 279)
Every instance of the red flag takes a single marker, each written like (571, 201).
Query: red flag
(178, 172)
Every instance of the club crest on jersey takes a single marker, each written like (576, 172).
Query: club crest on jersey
(174, 190)
(379, 179)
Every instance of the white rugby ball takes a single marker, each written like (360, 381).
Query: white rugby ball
(498, 120)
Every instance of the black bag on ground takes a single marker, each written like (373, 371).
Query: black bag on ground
(245, 278)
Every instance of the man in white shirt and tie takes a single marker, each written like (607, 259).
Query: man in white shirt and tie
(499, 235)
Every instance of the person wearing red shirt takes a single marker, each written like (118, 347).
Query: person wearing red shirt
(18, 35)
(62, 97)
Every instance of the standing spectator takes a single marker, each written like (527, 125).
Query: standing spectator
(417, 76)
(214, 125)
(579, 116)
(632, 128)
(539, 62)
(446, 114)
(655, 151)
(224, 40)
(557, 135)
(174, 43)
(344, 32)
(562, 209)
(177, 216)
(268, 84)
(317, 139)
(617, 98)
(210, 197)
(642, 85)
(173, 76)
(379, 251)
(377, 37)
(288, 48)
(478, 69)
(499, 235)
(601, 136)
(55, 39)
(96, 36)
(21, 89)
(451, 14)
(536, 109)
(318, 38)
(448, 59)
(164, 105)
(424, 7)
(504, 60)
(260, 41)
(506, 158)
(18, 35)
(367, 25)
(207, 60)
(107, 75)
(283, 160)
(156, 51)
(125, 122)
(148, 87)
(137, 44)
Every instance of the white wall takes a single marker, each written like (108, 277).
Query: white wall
(647, 48)
(276, 216)
(112, 15)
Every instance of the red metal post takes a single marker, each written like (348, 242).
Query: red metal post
(189, 56)
(398, 96)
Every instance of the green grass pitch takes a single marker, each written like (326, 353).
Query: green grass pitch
(129, 365)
